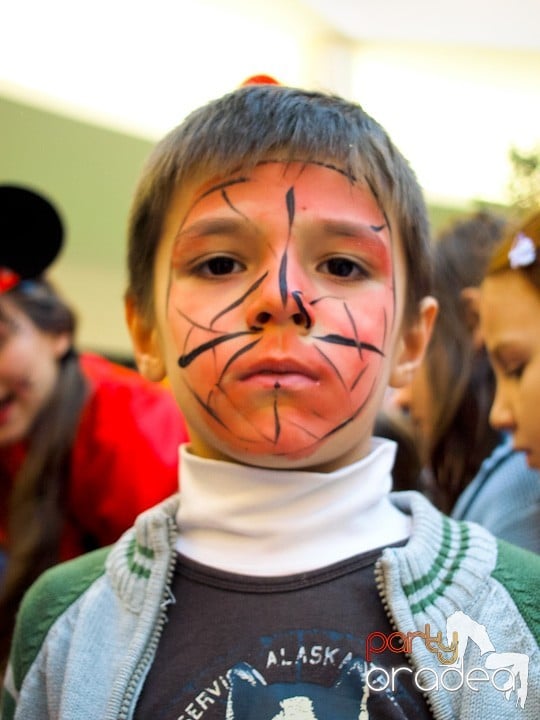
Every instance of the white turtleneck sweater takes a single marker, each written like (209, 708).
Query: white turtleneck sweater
(263, 522)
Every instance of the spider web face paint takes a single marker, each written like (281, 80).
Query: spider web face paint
(280, 310)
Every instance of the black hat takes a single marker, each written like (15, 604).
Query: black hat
(31, 233)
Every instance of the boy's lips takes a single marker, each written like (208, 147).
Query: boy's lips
(284, 372)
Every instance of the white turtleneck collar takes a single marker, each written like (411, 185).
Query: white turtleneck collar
(262, 522)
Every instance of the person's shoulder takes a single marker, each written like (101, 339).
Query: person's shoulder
(49, 597)
(518, 570)
(99, 369)
(71, 578)
(516, 562)
(122, 384)
(121, 397)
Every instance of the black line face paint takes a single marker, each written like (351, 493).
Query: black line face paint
(277, 422)
(289, 200)
(223, 185)
(283, 352)
(290, 203)
(188, 358)
(283, 289)
(349, 342)
(297, 297)
(235, 356)
(239, 300)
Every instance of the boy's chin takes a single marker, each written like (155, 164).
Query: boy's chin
(314, 462)
(320, 456)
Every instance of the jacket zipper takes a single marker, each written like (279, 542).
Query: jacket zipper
(126, 707)
(379, 582)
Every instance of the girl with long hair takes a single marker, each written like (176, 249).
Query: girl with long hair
(85, 444)
(470, 468)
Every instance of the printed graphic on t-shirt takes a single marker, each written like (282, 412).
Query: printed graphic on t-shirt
(285, 648)
(298, 675)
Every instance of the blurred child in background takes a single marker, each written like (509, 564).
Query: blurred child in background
(85, 444)
(471, 470)
(510, 322)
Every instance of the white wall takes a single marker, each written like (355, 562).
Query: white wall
(141, 67)
(454, 111)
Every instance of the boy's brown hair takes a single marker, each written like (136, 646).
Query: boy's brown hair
(262, 122)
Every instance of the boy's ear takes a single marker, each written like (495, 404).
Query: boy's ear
(413, 343)
(470, 299)
(145, 344)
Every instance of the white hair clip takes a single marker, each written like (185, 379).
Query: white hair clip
(522, 253)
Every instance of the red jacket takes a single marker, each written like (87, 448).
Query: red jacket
(124, 459)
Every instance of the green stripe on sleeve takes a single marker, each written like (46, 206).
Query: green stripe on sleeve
(513, 565)
(47, 599)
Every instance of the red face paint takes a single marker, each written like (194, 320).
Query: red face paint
(280, 308)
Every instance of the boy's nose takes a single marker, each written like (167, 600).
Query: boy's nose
(276, 303)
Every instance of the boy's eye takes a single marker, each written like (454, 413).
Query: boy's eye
(220, 265)
(343, 267)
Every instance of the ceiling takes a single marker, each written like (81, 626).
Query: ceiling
(500, 24)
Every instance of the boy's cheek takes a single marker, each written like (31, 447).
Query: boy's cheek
(367, 317)
(193, 305)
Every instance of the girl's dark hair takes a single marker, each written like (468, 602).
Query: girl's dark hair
(459, 373)
(271, 122)
(36, 509)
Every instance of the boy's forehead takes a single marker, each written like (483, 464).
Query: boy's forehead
(319, 179)
(287, 170)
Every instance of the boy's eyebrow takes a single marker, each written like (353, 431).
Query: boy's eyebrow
(218, 225)
(349, 228)
(218, 187)
(212, 226)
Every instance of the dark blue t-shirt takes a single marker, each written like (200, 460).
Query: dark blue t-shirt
(274, 648)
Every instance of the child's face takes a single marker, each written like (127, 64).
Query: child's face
(279, 297)
(29, 367)
(510, 324)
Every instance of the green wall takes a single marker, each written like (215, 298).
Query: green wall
(89, 172)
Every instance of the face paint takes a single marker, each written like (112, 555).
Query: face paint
(280, 308)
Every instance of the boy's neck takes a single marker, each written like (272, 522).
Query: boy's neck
(265, 522)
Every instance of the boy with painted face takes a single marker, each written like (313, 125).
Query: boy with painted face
(279, 276)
